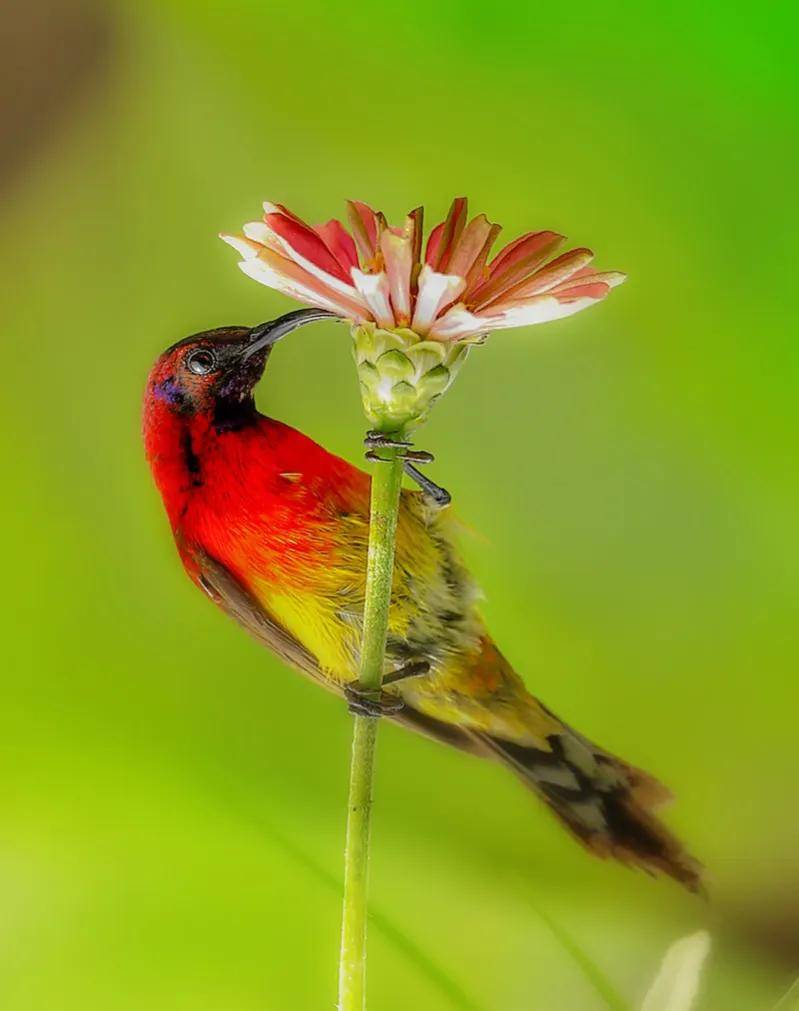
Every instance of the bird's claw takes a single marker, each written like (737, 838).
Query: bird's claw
(375, 705)
(378, 440)
(371, 704)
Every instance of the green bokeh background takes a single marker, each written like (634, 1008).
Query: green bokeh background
(171, 798)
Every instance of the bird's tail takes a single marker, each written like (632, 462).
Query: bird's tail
(604, 802)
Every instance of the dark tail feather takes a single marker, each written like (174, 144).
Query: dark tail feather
(604, 802)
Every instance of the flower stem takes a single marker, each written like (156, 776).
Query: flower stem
(386, 484)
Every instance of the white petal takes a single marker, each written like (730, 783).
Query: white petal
(270, 208)
(264, 274)
(435, 292)
(375, 291)
(276, 242)
(259, 231)
(677, 984)
(540, 310)
(244, 247)
(398, 256)
(458, 322)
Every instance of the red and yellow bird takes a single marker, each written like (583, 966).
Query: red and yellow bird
(274, 530)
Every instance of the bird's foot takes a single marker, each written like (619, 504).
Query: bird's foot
(379, 440)
(377, 704)
(371, 704)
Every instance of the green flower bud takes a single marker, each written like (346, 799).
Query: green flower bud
(402, 374)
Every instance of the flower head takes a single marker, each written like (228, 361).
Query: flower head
(453, 291)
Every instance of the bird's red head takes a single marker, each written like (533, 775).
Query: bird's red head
(198, 373)
(210, 371)
(203, 386)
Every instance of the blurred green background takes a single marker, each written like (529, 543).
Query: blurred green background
(171, 798)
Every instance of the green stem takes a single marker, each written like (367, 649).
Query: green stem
(386, 484)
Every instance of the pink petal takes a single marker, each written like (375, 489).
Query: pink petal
(459, 323)
(582, 272)
(435, 291)
(514, 263)
(595, 290)
(612, 278)
(272, 208)
(382, 226)
(397, 249)
(478, 272)
(363, 222)
(285, 275)
(470, 252)
(343, 288)
(417, 217)
(303, 244)
(339, 241)
(376, 293)
(434, 244)
(453, 227)
(542, 280)
(526, 245)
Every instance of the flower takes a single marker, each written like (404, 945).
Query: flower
(415, 316)
(377, 274)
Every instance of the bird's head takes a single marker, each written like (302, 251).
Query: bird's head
(218, 369)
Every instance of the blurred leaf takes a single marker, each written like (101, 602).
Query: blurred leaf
(592, 972)
(424, 964)
(677, 984)
(790, 999)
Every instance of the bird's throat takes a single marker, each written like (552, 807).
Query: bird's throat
(173, 444)
(230, 414)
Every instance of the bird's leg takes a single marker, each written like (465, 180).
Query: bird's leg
(411, 670)
(433, 491)
(376, 704)
(377, 440)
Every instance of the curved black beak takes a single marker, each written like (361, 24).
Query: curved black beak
(265, 335)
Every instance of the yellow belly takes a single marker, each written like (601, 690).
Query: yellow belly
(315, 622)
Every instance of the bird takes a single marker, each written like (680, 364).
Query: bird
(274, 529)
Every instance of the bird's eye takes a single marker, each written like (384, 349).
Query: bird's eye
(201, 362)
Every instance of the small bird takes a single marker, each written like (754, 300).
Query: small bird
(274, 529)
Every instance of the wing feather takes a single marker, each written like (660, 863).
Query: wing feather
(236, 600)
(227, 592)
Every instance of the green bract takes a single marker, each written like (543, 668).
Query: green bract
(401, 374)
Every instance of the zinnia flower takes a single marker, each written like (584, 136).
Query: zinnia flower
(414, 315)
(375, 273)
